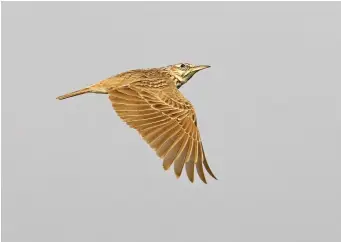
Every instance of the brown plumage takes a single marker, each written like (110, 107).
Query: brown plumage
(149, 101)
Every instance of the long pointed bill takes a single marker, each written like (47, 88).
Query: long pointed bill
(194, 70)
(199, 68)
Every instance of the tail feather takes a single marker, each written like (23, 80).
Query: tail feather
(76, 93)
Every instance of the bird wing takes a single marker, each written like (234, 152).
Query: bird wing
(167, 122)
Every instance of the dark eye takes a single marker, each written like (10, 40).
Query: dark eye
(182, 65)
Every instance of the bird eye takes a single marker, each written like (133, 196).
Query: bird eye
(182, 65)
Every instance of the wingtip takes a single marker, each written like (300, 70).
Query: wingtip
(191, 179)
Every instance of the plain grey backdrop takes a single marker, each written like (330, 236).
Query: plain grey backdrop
(269, 112)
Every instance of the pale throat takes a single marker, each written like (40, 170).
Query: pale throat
(179, 80)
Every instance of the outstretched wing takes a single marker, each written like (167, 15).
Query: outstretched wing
(167, 122)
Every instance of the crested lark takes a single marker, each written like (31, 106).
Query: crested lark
(149, 101)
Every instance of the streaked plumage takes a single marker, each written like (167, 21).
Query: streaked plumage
(149, 101)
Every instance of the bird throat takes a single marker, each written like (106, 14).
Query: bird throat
(179, 81)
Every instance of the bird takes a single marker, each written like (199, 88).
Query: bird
(149, 101)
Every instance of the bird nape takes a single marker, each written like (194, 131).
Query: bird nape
(149, 101)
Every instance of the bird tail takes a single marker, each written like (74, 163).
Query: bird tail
(76, 93)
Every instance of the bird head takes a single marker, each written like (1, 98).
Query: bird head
(184, 71)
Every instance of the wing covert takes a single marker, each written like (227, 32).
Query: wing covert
(167, 122)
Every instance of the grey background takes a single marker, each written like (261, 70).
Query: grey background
(268, 111)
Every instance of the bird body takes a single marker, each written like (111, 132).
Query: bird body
(149, 101)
